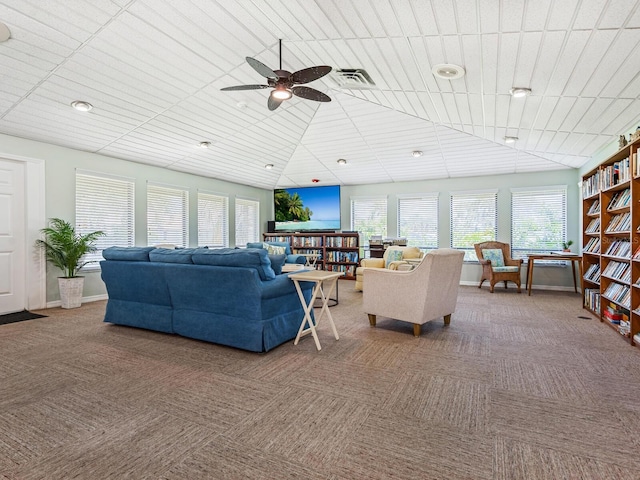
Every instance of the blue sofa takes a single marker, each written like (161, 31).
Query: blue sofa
(227, 296)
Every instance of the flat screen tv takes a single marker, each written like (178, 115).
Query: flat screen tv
(307, 209)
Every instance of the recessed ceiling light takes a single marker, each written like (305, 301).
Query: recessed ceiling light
(341, 161)
(448, 71)
(5, 33)
(519, 92)
(269, 166)
(81, 106)
(416, 153)
(205, 144)
(510, 139)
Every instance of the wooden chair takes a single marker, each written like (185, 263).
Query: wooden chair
(497, 264)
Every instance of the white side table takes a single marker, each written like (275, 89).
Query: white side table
(323, 281)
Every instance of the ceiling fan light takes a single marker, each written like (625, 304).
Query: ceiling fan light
(519, 92)
(281, 94)
(81, 106)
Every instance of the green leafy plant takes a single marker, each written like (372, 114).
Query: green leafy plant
(567, 244)
(64, 248)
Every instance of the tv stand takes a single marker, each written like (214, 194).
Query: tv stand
(337, 252)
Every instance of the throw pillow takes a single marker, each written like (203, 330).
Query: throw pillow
(393, 256)
(277, 262)
(495, 255)
(273, 249)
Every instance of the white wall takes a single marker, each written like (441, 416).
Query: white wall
(544, 276)
(60, 168)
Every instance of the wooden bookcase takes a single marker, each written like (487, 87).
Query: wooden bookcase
(337, 252)
(611, 241)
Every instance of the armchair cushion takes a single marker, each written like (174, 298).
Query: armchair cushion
(392, 256)
(506, 269)
(495, 256)
(372, 262)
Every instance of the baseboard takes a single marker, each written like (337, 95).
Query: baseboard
(535, 287)
(93, 298)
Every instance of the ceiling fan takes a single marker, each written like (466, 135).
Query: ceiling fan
(285, 84)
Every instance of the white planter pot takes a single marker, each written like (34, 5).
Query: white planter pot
(71, 291)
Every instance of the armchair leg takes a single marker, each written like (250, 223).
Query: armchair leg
(372, 319)
(416, 329)
(447, 319)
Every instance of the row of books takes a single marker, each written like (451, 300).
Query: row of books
(349, 270)
(592, 299)
(619, 271)
(594, 226)
(619, 248)
(618, 172)
(620, 222)
(342, 242)
(618, 317)
(619, 293)
(592, 246)
(591, 185)
(620, 199)
(351, 257)
(594, 209)
(307, 242)
(593, 273)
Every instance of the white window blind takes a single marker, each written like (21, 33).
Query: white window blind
(538, 220)
(474, 219)
(105, 203)
(167, 215)
(369, 217)
(213, 220)
(418, 220)
(247, 221)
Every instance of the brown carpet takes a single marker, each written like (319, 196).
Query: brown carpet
(517, 387)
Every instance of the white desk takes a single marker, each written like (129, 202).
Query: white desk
(323, 281)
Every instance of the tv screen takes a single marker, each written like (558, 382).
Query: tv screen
(307, 208)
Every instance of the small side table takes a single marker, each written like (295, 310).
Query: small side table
(323, 281)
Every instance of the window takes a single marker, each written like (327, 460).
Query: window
(418, 220)
(247, 221)
(213, 220)
(369, 217)
(105, 203)
(167, 215)
(474, 219)
(538, 220)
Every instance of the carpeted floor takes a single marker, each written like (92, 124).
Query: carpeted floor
(517, 387)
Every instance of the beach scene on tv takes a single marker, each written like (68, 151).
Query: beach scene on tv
(307, 208)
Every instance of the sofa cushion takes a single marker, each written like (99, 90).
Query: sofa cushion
(165, 255)
(256, 258)
(287, 247)
(494, 255)
(274, 249)
(277, 262)
(130, 254)
(393, 256)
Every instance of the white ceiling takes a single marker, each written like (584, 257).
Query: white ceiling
(153, 70)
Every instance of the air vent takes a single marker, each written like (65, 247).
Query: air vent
(352, 79)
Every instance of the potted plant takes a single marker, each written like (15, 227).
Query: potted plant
(64, 248)
(566, 245)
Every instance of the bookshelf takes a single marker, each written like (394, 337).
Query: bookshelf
(611, 241)
(337, 252)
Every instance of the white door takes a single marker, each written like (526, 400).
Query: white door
(12, 237)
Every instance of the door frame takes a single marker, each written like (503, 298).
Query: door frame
(34, 219)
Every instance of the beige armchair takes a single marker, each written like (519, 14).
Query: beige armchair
(407, 254)
(427, 292)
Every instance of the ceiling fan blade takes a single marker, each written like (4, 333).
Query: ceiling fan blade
(273, 103)
(244, 87)
(261, 68)
(310, 74)
(310, 94)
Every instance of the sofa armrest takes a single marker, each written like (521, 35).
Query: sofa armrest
(295, 258)
(372, 262)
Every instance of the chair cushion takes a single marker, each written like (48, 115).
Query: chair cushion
(277, 261)
(495, 255)
(505, 269)
(393, 256)
(274, 249)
